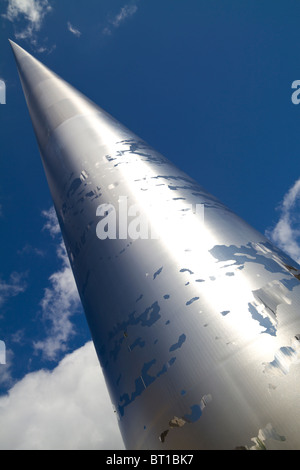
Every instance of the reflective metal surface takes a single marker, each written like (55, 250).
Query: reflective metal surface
(196, 322)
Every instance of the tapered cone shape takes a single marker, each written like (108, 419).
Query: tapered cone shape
(194, 314)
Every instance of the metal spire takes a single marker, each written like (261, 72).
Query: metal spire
(193, 313)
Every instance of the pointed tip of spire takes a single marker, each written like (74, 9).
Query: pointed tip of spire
(12, 43)
(18, 51)
(14, 47)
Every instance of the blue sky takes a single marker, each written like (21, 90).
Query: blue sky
(208, 83)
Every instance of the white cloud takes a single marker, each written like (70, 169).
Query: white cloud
(286, 233)
(126, 12)
(11, 288)
(60, 300)
(29, 250)
(14, 286)
(32, 11)
(73, 30)
(67, 408)
(6, 378)
(51, 224)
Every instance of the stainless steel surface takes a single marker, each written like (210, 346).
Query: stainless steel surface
(196, 323)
